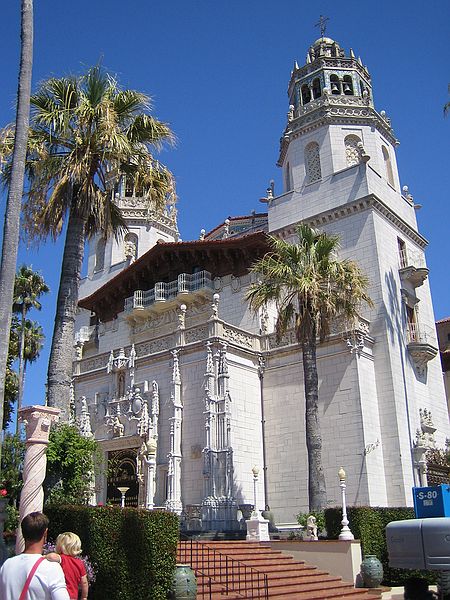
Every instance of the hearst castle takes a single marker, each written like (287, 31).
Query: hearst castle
(187, 390)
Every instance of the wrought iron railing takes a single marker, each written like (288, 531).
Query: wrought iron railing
(217, 568)
(165, 292)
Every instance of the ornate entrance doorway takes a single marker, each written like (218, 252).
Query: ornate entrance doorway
(122, 473)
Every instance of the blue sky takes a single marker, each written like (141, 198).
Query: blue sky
(218, 73)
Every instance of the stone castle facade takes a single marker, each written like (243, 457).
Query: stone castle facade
(186, 390)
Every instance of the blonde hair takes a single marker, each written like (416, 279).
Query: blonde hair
(68, 543)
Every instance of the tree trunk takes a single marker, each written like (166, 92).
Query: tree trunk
(21, 365)
(15, 192)
(317, 492)
(59, 376)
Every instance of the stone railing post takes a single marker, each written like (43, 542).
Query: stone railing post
(37, 420)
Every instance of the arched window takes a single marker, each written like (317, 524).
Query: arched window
(130, 246)
(306, 94)
(348, 85)
(287, 178)
(352, 153)
(316, 89)
(388, 165)
(335, 85)
(100, 255)
(312, 162)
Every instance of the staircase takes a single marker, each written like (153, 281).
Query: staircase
(254, 570)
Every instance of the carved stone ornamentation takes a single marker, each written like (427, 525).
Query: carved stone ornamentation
(182, 316)
(423, 443)
(84, 420)
(215, 307)
(115, 426)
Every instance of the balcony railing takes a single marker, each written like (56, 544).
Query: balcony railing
(420, 334)
(185, 284)
(411, 258)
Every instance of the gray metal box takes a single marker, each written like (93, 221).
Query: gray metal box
(419, 544)
(404, 544)
(436, 543)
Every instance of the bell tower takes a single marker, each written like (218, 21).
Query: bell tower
(340, 175)
(146, 227)
(332, 127)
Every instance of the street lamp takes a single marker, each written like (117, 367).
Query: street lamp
(345, 534)
(123, 491)
(255, 472)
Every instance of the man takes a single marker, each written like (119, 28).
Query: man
(48, 581)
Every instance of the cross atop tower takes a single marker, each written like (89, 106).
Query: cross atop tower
(322, 23)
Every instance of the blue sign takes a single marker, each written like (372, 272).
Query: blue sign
(432, 501)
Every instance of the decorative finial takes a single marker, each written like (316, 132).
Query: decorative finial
(352, 54)
(295, 65)
(202, 234)
(322, 24)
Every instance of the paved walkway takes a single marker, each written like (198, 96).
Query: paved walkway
(396, 593)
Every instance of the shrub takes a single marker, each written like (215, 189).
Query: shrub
(132, 550)
(368, 524)
(71, 461)
(12, 518)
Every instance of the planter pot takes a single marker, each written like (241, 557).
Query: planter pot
(371, 571)
(184, 583)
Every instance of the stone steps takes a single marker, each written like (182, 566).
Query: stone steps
(287, 578)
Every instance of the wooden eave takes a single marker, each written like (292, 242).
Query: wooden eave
(166, 260)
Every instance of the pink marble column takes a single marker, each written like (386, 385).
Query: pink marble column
(37, 420)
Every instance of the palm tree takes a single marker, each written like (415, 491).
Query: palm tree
(28, 288)
(33, 344)
(310, 288)
(13, 204)
(85, 134)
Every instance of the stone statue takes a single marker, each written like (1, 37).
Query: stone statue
(115, 426)
(143, 423)
(311, 528)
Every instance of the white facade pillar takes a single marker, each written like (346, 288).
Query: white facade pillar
(173, 502)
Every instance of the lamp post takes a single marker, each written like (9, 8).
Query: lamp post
(255, 472)
(345, 534)
(123, 491)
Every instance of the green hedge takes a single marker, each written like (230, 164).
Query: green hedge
(368, 524)
(134, 550)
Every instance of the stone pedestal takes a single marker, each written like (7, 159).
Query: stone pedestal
(37, 421)
(257, 529)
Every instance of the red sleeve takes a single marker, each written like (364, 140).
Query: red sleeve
(81, 567)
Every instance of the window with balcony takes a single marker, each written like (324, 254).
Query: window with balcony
(402, 253)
